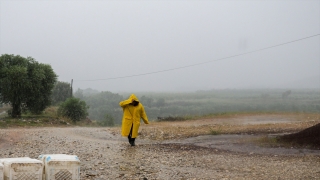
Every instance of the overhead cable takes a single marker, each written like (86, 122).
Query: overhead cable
(205, 62)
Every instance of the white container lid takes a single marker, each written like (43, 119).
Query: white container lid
(13, 159)
(43, 155)
(20, 160)
(61, 157)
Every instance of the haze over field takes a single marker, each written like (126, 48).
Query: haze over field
(91, 40)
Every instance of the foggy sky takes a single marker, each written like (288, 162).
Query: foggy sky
(88, 40)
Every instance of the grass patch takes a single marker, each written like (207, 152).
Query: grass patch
(216, 131)
(48, 118)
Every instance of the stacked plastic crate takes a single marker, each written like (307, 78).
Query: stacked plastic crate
(46, 167)
(22, 168)
(60, 167)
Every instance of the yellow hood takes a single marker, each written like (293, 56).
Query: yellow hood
(133, 97)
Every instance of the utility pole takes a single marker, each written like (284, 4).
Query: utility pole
(71, 94)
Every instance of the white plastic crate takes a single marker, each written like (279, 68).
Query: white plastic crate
(61, 167)
(22, 168)
(1, 171)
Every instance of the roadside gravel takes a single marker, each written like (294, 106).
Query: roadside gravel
(106, 155)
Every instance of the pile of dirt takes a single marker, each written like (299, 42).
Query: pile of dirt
(309, 137)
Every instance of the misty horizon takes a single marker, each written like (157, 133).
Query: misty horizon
(90, 40)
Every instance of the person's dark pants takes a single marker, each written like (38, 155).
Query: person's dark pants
(131, 140)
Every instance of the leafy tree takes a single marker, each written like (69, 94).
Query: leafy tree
(25, 84)
(61, 92)
(73, 108)
(42, 79)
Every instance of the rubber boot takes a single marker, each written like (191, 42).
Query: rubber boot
(132, 141)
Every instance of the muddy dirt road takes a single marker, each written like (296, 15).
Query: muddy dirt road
(175, 150)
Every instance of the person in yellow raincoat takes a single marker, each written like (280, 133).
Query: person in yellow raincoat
(133, 111)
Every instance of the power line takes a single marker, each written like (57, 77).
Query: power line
(206, 62)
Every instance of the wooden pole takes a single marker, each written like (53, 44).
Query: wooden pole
(71, 94)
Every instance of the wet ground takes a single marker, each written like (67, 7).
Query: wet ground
(248, 143)
(104, 154)
(241, 144)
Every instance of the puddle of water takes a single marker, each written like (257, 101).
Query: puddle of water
(241, 143)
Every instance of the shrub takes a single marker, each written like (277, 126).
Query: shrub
(73, 108)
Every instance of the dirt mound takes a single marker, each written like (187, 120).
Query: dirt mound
(309, 137)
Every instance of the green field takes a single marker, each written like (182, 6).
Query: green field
(201, 103)
(104, 106)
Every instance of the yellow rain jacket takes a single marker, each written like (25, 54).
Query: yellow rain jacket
(131, 116)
